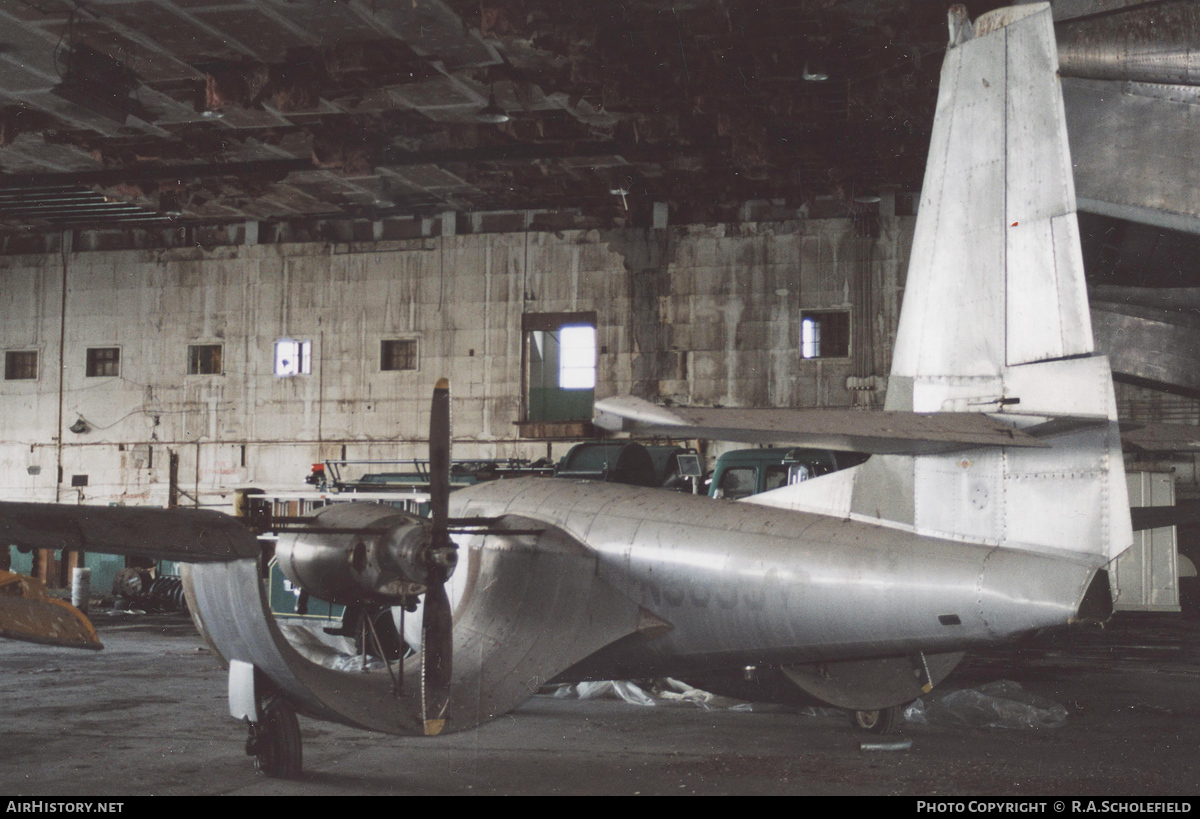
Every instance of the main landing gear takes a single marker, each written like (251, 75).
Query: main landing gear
(274, 740)
(881, 721)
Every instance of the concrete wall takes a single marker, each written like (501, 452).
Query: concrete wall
(699, 315)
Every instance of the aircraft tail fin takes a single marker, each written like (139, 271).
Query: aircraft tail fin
(995, 319)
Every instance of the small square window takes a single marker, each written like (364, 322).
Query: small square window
(825, 334)
(103, 361)
(20, 365)
(204, 359)
(398, 354)
(293, 357)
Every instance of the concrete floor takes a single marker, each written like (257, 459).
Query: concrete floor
(148, 716)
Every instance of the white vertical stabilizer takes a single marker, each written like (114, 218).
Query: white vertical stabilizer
(996, 275)
(995, 319)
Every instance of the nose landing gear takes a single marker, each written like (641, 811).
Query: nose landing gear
(274, 740)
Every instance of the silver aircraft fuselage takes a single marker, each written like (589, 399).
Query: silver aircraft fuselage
(753, 584)
(596, 581)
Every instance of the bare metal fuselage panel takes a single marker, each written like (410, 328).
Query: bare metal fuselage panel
(753, 584)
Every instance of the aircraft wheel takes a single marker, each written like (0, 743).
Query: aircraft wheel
(881, 721)
(275, 741)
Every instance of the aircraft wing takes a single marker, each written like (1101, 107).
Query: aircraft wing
(530, 603)
(185, 535)
(879, 433)
(188, 535)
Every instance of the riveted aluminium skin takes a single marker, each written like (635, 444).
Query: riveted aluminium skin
(752, 583)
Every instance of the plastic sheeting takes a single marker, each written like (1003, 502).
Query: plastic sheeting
(336, 653)
(355, 662)
(1000, 704)
(665, 691)
(632, 693)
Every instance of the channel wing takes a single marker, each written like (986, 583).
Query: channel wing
(184, 535)
(29, 614)
(529, 602)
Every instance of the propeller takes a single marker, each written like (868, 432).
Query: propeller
(436, 622)
(371, 558)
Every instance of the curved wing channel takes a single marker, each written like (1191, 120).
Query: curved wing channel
(532, 606)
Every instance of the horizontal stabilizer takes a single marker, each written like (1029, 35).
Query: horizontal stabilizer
(1161, 437)
(185, 535)
(881, 433)
(1156, 517)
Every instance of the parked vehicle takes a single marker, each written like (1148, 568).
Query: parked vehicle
(628, 462)
(745, 472)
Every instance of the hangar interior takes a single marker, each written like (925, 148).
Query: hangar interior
(242, 237)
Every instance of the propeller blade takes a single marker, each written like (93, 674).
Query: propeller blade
(439, 461)
(436, 647)
(437, 638)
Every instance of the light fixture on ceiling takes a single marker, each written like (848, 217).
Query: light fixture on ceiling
(621, 187)
(817, 73)
(169, 205)
(98, 83)
(492, 114)
(80, 426)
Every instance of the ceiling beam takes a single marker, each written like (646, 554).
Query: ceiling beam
(272, 168)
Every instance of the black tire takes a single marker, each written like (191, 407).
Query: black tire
(881, 721)
(276, 744)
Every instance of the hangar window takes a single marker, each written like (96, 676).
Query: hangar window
(20, 365)
(560, 358)
(398, 354)
(204, 359)
(825, 334)
(577, 357)
(293, 357)
(103, 362)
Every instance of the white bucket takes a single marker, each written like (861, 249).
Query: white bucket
(81, 588)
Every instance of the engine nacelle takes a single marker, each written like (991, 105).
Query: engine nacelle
(373, 554)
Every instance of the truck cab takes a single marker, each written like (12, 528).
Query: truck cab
(745, 472)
